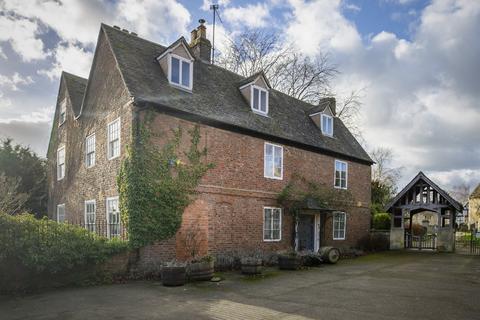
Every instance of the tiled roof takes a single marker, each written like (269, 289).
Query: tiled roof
(76, 89)
(216, 97)
(476, 193)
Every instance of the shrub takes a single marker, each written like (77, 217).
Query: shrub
(374, 242)
(43, 248)
(381, 221)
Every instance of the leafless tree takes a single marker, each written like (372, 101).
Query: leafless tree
(461, 192)
(11, 202)
(382, 170)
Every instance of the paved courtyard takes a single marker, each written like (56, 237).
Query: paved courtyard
(382, 286)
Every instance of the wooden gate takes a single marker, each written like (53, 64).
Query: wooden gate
(467, 242)
(427, 241)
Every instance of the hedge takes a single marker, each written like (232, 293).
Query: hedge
(34, 251)
(381, 221)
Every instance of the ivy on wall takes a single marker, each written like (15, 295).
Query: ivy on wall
(300, 191)
(155, 186)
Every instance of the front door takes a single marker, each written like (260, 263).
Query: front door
(306, 232)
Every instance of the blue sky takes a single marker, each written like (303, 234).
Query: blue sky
(415, 61)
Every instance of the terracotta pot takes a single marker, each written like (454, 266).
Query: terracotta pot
(201, 271)
(289, 262)
(251, 266)
(173, 276)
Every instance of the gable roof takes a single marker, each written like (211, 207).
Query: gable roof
(476, 193)
(170, 48)
(75, 87)
(421, 176)
(253, 78)
(216, 100)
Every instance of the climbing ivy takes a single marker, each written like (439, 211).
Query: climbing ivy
(156, 186)
(300, 190)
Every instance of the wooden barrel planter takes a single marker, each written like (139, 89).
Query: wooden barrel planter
(330, 254)
(173, 276)
(289, 262)
(201, 271)
(251, 266)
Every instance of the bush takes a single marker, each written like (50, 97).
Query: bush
(34, 249)
(374, 242)
(381, 221)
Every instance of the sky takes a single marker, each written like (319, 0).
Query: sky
(416, 63)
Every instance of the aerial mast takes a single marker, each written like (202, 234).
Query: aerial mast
(213, 7)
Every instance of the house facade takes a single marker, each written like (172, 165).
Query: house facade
(474, 209)
(257, 137)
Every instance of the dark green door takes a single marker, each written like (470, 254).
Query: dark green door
(306, 233)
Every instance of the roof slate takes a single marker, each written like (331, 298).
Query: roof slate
(76, 89)
(216, 96)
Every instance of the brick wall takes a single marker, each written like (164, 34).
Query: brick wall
(229, 207)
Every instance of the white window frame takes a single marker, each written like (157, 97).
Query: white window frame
(330, 134)
(87, 202)
(335, 175)
(108, 216)
(119, 139)
(62, 116)
(62, 205)
(273, 161)
(180, 77)
(252, 102)
(60, 177)
(344, 225)
(280, 224)
(92, 136)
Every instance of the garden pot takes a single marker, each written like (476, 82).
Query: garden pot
(330, 254)
(173, 276)
(251, 266)
(289, 262)
(201, 271)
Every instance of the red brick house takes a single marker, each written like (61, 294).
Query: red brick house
(256, 136)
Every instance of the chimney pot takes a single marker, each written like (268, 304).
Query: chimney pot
(193, 37)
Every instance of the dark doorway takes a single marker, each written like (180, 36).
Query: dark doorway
(306, 233)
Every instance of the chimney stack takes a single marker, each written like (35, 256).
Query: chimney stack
(201, 46)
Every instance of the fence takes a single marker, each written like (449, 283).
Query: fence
(102, 228)
(427, 241)
(467, 242)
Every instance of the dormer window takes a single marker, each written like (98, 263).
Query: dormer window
(177, 64)
(63, 113)
(327, 125)
(259, 100)
(181, 72)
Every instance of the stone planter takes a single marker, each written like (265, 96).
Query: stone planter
(201, 271)
(292, 262)
(173, 276)
(251, 266)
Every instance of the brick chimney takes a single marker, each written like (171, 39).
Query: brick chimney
(201, 46)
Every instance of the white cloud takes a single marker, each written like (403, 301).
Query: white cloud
(249, 16)
(319, 25)
(422, 94)
(2, 54)
(13, 82)
(71, 58)
(152, 18)
(22, 34)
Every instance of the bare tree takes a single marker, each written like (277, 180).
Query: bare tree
(461, 192)
(382, 170)
(11, 202)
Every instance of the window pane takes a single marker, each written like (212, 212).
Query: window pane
(255, 99)
(263, 101)
(268, 160)
(185, 73)
(175, 76)
(278, 162)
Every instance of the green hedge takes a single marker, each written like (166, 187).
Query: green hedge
(381, 221)
(32, 249)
